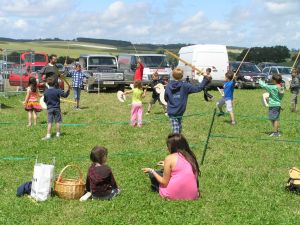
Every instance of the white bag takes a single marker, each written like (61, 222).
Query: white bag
(42, 181)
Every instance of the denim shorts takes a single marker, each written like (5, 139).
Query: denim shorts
(274, 113)
(76, 93)
(54, 115)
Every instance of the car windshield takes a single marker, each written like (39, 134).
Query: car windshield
(285, 70)
(35, 58)
(36, 68)
(102, 61)
(246, 67)
(154, 61)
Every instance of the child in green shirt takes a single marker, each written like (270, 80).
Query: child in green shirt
(276, 92)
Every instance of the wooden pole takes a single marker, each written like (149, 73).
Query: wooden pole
(185, 62)
(236, 72)
(296, 60)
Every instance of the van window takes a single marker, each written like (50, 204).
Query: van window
(124, 61)
(103, 61)
(154, 61)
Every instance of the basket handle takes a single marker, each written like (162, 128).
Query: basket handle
(75, 166)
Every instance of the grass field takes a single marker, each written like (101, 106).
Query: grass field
(243, 175)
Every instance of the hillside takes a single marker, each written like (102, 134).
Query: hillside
(73, 48)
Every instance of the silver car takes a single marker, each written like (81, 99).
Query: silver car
(284, 71)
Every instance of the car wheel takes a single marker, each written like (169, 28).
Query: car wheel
(89, 88)
(239, 85)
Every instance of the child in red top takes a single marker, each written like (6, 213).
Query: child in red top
(138, 75)
(31, 103)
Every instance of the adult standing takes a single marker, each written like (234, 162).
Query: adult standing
(77, 82)
(51, 70)
(138, 75)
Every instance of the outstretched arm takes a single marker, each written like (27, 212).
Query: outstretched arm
(197, 88)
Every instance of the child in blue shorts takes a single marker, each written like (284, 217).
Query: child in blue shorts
(52, 99)
(228, 96)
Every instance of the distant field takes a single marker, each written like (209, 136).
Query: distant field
(74, 49)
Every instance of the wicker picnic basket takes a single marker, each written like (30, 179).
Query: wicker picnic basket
(69, 188)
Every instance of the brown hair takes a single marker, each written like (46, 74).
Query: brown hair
(277, 78)
(137, 84)
(178, 143)
(229, 75)
(177, 73)
(50, 81)
(98, 154)
(33, 84)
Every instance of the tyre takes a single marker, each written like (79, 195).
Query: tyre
(89, 88)
(239, 85)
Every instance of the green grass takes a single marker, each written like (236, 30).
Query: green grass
(242, 182)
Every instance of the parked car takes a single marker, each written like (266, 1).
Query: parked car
(20, 75)
(262, 65)
(248, 74)
(101, 71)
(285, 72)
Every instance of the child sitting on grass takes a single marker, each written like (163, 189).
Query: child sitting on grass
(179, 180)
(155, 95)
(176, 95)
(100, 181)
(228, 96)
(276, 92)
(137, 106)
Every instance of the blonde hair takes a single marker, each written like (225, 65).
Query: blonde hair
(177, 73)
(137, 84)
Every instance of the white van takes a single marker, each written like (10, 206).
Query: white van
(202, 57)
(152, 63)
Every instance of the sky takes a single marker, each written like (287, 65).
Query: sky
(243, 23)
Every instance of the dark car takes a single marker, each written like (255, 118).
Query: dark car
(262, 65)
(248, 74)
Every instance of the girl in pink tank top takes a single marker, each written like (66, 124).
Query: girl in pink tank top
(179, 180)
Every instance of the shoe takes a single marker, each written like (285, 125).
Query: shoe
(46, 138)
(57, 134)
(147, 113)
(166, 114)
(85, 197)
(233, 123)
(220, 114)
(275, 134)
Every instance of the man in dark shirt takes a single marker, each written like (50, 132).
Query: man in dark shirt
(51, 70)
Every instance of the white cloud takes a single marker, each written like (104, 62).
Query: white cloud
(250, 22)
(282, 7)
(22, 24)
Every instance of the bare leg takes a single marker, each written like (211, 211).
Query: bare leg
(232, 117)
(57, 128)
(275, 125)
(149, 107)
(29, 118)
(49, 128)
(34, 117)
